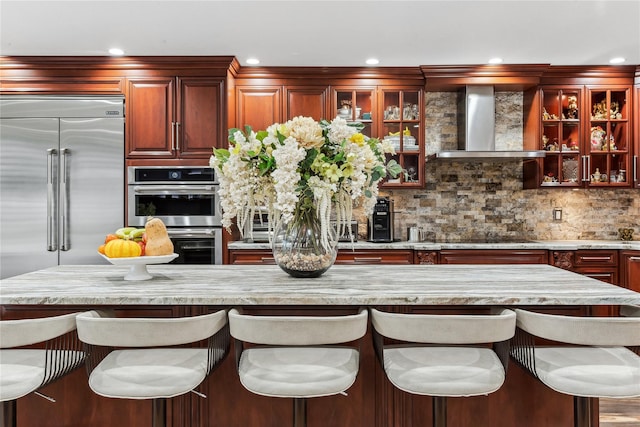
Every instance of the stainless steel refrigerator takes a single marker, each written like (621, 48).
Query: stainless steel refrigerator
(61, 179)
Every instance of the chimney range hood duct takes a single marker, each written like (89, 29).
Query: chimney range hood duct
(476, 128)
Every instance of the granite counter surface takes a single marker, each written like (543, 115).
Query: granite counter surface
(340, 285)
(565, 245)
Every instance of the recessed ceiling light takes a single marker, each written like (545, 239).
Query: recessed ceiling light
(495, 61)
(253, 61)
(372, 61)
(618, 60)
(116, 51)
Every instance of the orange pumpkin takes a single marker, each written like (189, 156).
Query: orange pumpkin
(121, 248)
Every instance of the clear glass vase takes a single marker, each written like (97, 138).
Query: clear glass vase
(300, 249)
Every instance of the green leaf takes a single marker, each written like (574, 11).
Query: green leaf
(221, 154)
(394, 169)
(261, 135)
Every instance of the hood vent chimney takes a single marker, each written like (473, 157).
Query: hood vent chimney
(476, 128)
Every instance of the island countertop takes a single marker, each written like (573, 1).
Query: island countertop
(224, 285)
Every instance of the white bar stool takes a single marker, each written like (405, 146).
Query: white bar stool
(443, 355)
(295, 356)
(145, 358)
(25, 370)
(593, 360)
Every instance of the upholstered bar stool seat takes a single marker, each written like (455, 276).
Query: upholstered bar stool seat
(135, 358)
(25, 370)
(584, 356)
(444, 355)
(295, 356)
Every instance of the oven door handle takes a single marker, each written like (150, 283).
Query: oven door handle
(191, 233)
(179, 189)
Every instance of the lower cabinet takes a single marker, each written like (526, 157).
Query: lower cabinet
(493, 256)
(372, 401)
(630, 270)
(345, 256)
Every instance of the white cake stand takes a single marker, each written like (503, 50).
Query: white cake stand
(139, 264)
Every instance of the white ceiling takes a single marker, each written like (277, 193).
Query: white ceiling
(330, 33)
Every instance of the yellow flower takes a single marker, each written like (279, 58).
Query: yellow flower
(357, 138)
(333, 173)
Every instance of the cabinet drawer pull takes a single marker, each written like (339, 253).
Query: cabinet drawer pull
(596, 258)
(267, 259)
(634, 258)
(367, 259)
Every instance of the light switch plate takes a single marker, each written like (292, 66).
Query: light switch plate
(557, 214)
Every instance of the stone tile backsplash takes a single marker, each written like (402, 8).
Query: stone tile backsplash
(484, 200)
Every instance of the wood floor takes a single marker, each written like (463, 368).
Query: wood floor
(620, 412)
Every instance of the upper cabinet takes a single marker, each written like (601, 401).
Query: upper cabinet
(174, 117)
(380, 99)
(635, 168)
(394, 114)
(608, 151)
(585, 125)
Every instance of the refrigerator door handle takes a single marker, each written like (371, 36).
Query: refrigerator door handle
(52, 220)
(64, 198)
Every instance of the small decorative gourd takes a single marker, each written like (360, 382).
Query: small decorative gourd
(122, 248)
(158, 242)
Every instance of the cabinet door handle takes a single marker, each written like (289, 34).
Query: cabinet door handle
(173, 136)
(177, 136)
(585, 174)
(368, 259)
(634, 258)
(635, 169)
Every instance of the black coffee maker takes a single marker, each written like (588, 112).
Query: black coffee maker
(381, 221)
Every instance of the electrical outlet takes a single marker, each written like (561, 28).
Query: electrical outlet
(557, 214)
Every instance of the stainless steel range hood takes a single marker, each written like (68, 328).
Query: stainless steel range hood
(476, 128)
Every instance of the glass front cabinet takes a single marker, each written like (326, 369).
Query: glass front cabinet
(587, 135)
(395, 115)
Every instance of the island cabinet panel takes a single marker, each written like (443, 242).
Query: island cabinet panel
(229, 404)
(251, 256)
(494, 256)
(76, 404)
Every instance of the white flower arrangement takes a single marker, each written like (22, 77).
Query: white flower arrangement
(299, 170)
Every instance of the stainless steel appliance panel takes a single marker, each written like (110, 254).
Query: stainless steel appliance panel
(91, 196)
(197, 245)
(24, 179)
(62, 179)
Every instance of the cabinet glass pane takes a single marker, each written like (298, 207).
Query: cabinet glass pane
(618, 107)
(411, 166)
(550, 107)
(618, 137)
(570, 103)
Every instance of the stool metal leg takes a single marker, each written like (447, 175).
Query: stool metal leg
(159, 413)
(581, 411)
(8, 410)
(299, 412)
(439, 411)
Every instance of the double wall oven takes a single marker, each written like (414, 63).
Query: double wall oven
(185, 198)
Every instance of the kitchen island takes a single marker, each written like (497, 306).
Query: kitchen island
(179, 290)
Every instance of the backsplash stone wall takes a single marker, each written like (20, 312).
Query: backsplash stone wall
(484, 200)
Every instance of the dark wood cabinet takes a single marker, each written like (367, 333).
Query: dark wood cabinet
(493, 256)
(601, 264)
(630, 270)
(306, 101)
(345, 256)
(174, 117)
(258, 107)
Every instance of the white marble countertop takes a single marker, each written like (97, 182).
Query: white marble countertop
(341, 285)
(564, 245)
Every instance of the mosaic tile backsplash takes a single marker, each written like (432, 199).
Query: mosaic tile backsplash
(484, 200)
